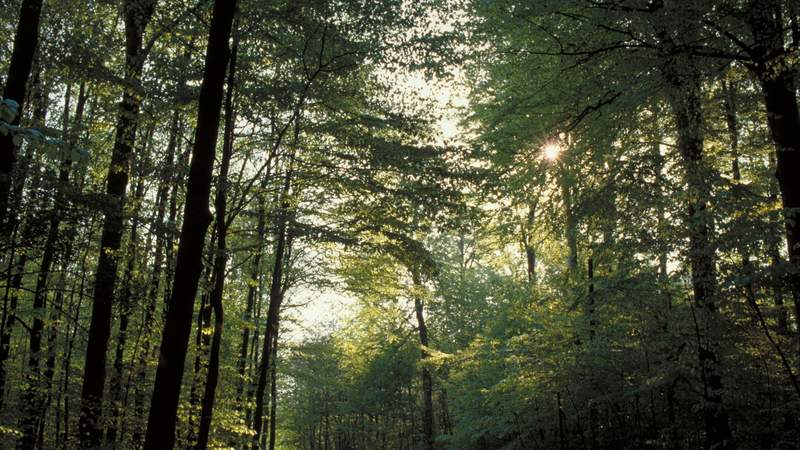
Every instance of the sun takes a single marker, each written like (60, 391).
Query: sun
(551, 151)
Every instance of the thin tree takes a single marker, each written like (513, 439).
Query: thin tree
(275, 292)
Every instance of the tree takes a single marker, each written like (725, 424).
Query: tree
(221, 257)
(188, 264)
(26, 40)
(137, 16)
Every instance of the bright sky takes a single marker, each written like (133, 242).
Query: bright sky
(323, 308)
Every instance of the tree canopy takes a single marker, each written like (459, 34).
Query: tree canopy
(398, 224)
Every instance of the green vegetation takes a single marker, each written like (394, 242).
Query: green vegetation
(396, 224)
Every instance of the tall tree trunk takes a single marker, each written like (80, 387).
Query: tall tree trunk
(50, 364)
(137, 15)
(27, 238)
(221, 255)
(188, 265)
(253, 285)
(32, 398)
(26, 40)
(68, 357)
(275, 294)
(783, 117)
(774, 253)
(202, 341)
(71, 137)
(253, 360)
(34, 403)
(51, 357)
(171, 228)
(685, 99)
(124, 300)
(590, 301)
(427, 380)
(590, 312)
(22, 168)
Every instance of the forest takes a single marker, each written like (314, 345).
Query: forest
(400, 224)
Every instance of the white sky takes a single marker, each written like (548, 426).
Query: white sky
(326, 307)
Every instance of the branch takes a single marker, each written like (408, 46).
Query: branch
(592, 108)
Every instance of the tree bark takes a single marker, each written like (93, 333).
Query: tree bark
(175, 337)
(26, 40)
(137, 15)
(221, 255)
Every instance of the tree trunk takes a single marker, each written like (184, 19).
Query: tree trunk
(137, 15)
(26, 40)
(273, 395)
(10, 302)
(252, 291)
(50, 364)
(27, 239)
(171, 228)
(685, 99)
(221, 255)
(188, 265)
(427, 380)
(34, 404)
(124, 300)
(275, 296)
(783, 118)
(202, 342)
(32, 398)
(773, 251)
(592, 403)
(70, 137)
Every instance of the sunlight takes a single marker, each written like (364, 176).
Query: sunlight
(551, 151)
(448, 128)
